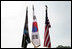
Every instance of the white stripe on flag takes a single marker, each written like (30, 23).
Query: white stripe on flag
(46, 38)
(46, 31)
(48, 43)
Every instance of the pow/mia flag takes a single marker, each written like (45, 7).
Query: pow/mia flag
(26, 38)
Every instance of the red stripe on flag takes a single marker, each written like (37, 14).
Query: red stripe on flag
(49, 45)
(48, 40)
(46, 36)
(45, 31)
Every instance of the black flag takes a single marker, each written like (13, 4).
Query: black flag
(26, 38)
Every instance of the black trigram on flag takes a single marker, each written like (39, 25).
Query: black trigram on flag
(26, 38)
(35, 33)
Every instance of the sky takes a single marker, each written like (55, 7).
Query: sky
(13, 15)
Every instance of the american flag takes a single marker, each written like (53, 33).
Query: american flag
(47, 42)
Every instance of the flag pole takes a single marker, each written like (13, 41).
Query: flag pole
(33, 18)
(47, 15)
(48, 43)
(33, 10)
